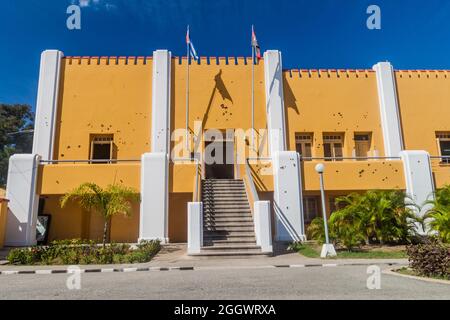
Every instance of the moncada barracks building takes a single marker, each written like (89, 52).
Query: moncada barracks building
(113, 120)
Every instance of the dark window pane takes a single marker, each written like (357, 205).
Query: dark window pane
(102, 151)
(327, 151)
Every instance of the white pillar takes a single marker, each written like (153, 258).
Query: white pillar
(389, 109)
(154, 208)
(195, 227)
(274, 101)
(419, 179)
(263, 226)
(47, 103)
(161, 89)
(23, 205)
(287, 196)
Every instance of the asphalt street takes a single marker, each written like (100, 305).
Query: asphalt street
(341, 282)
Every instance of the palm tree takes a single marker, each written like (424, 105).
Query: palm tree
(112, 200)
(440, 213)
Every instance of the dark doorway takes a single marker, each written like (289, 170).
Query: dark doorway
(222, 152)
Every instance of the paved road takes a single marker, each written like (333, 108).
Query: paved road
(342, 282)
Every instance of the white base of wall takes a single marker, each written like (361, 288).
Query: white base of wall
(195, 227)
(263, 228)
(23, 205)
(288, 202)
(419, 181)
(153, 223)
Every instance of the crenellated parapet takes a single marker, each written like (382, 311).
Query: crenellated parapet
(108, 60)
(328, 73)
(423, 74)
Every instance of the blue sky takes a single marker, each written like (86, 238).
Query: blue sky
(310, 33)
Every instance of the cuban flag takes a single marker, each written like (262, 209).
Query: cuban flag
(255, 45)
(191, 45)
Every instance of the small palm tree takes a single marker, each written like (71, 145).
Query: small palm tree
(440, 213)
(112, 200)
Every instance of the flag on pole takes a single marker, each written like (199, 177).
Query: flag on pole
(191, 45)
(255, 45)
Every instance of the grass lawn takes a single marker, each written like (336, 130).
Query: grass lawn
(312, 250)
(410, 272)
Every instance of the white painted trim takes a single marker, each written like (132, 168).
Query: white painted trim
(154, 207)
(47, 103)
(161, 95)
(389, 109)
(195, 227)
(273, 75)
(23, 200)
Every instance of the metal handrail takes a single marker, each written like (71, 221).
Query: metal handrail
(90, 161)
(349, 158)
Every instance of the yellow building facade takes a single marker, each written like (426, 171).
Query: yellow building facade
(373, 129)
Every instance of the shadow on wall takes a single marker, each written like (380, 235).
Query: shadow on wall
(290, 101)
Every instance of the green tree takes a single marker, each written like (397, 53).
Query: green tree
(112, 200)
(16, 124)
(440, 213)
(373, 216)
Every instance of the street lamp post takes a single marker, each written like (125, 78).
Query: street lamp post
(327, 248)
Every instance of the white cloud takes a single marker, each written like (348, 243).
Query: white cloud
(97, 4)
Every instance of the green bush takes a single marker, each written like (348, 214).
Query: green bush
(430, 259)
(316, 230)
(440, 213)
(84, 252)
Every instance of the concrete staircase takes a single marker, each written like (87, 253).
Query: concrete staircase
(228, 229)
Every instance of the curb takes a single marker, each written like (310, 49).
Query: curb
(97, 270)
(393, 273)
(148, 269)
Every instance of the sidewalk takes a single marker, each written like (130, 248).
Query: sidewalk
(174, 257)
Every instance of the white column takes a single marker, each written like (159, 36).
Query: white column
(47, 103)
(389, 109)
(263, 226)
(154, 211)
(274, 101)
(287, 196)
(161, 101)
(154, 208)
(419, 179)
(23, 205)
(195, 227)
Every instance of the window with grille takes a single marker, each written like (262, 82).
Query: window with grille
(362, 145)
(333, 146)
(443, 141)
(102, 148)
(310, 208)
(303, 145)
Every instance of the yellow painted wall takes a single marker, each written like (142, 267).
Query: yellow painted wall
(355, 175)
(73, 222)
(424, 99)
(61, 178)
(332, 101)
(104, 96)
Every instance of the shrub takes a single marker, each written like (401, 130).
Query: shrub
(316, 230)
(430, 259)
(440, 213)
(84, 252)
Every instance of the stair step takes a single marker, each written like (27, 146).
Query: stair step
(207, 234)
(232, 247)
(227, 213)
(229, 220)
(226, 224)
(227, 230)
(232, 254)
(233, 241)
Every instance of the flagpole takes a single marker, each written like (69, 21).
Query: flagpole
(253, 93)
(187, 96)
